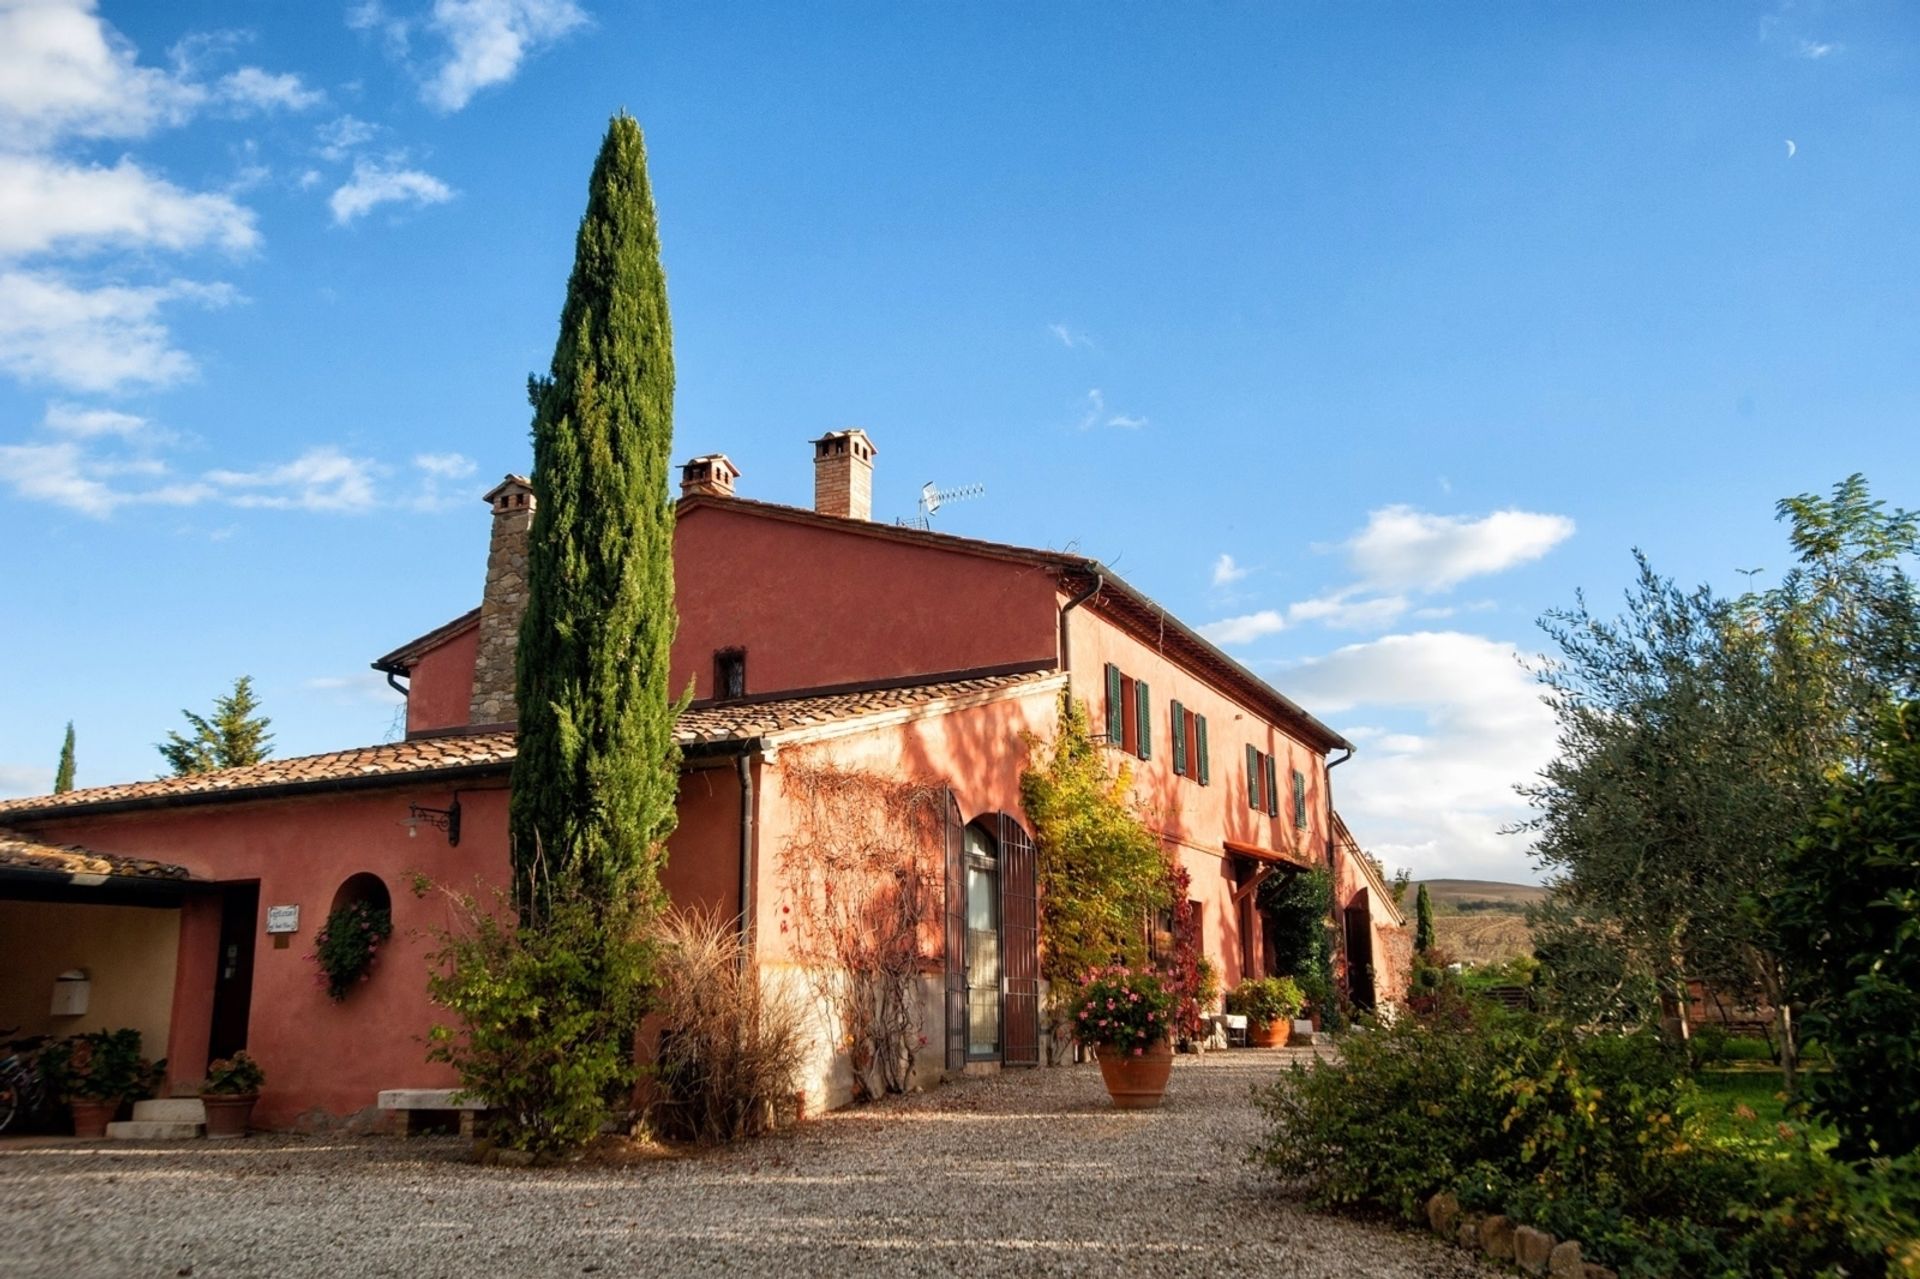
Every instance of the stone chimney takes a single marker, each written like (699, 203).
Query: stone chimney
(712, 475)
(503, 603)
(843, 474)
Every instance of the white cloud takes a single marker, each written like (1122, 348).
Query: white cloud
(46, 204)
(321, 479)
(1069, 337)
(1342, 611)
(86, 423)
(65, 73)
(376, 184)
(64, 474)
(339, 137)
(437, 470)
(1817, 49)
(1226, 571)
(251, 88)
(1439, 796)
(1094, 412)
(101, 339)
(1245, 628)
(1405, 549)
(361, 686)
(488, 40)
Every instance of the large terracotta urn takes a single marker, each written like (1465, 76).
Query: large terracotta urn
(1270, 1034)
(229, 1114)
(1136, 1083)
(91, 1115)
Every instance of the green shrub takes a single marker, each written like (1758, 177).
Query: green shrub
(546, 1012)
(346, 944)
(1122, 1010)
(1266, 1000)
(233, 1076)
(1849, 921)
(100, 1065)
(1588, 1136)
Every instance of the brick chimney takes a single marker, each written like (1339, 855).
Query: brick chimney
(843, 474)
(503, 603)
(713, 475)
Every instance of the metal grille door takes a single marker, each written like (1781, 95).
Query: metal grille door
(1020, 949)
(956, 936)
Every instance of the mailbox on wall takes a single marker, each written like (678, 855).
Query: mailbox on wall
(71, 990)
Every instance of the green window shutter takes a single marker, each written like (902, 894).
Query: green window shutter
(1116, 726)
(1200, 748)
(1273, 788)
(1177, 722)
(1300, 799)
(1143, 711)
(1253, 778)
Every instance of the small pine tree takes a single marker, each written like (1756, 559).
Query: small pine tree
(229, 738)
(63, 775)
(1422, 921)
(596, 777)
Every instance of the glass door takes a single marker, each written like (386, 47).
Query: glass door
(983, 946)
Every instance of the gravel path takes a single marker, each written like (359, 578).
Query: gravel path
(1026, 1173)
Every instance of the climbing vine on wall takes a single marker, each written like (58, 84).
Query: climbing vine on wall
(1102, 873)
(861, 883)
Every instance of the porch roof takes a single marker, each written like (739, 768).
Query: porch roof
(710, 728)
(24, 853)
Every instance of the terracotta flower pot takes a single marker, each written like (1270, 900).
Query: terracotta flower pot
(92, 1115)
(1136, 1083)
(229, 1114)
(1270, 1034)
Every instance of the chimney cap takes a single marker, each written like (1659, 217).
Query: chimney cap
(853, 440)
(514, 492)
(708, 473)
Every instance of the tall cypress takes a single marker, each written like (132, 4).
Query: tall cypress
(597, 770)
(63, 775)
(1423, 921)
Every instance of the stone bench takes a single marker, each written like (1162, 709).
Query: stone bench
(408, 1102)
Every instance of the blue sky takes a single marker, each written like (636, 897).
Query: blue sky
(1422, 315)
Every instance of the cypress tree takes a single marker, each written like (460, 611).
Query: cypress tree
(63, 775)
(1423, 922)
(597, 770)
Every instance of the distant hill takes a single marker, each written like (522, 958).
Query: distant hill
(1480, 921)
(1478, 896)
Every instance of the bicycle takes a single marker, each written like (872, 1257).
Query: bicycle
(23, 1088)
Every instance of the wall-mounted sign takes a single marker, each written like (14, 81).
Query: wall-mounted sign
(283, 919)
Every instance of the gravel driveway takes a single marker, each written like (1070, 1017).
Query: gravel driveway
(1026, 1173)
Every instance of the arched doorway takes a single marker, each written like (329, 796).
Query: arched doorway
(993, 944)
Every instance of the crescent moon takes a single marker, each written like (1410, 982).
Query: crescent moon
(1792, 150)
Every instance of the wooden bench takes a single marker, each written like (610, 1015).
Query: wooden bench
(408, 1102)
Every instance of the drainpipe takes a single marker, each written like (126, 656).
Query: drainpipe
(393, 682)
(1339, 920)
(1066, 639)
(743, 769)
(1331, 765)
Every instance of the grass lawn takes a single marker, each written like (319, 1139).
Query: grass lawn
(1743, 1108)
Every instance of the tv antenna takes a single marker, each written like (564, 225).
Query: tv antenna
(933, 497)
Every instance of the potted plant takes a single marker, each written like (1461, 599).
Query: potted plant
(346, 945)
(1269, 1004)
(233, 1085)
(98, 1072)
(1123, 1014)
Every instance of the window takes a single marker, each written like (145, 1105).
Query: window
(1189, 736)
(1263, 783)
(730, 673)
(1129, 713)
(1300, 799)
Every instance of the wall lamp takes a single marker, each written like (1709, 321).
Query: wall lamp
(446, 819)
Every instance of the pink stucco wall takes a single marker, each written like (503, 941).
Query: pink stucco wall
(817, 606)
(1199, 820)
(441, 688)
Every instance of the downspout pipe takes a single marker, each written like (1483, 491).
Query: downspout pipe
(393, 682)
(743, 770)
(1331, 765)
(1066, 636)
